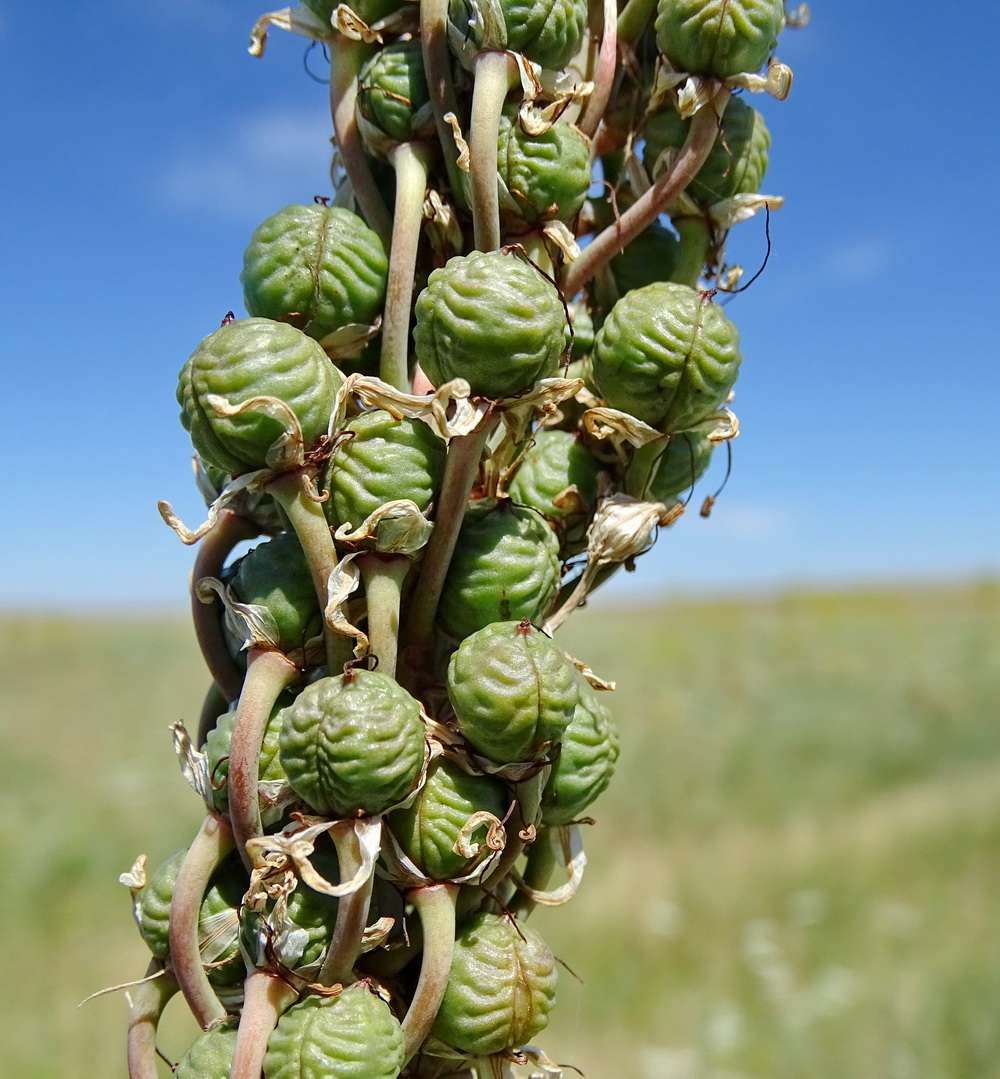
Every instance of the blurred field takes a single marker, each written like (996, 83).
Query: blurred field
(794, 876)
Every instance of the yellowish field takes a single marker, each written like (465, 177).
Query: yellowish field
(794, 875)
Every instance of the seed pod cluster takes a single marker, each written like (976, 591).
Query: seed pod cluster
(471, 383)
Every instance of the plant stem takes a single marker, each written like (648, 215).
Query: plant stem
(311, 526)
(229, 529)
(461, 469)
(268, 673)
(212, 707)
(266, 997)
(212, 843)
(695, 238)
(494, 74)
(411, 162)
(633, 20)
(537, 871)
(440, 83)
(644, 211)
(383, 575)
(145, 1006)
(604, 75)
(526, 814)
(435, 903)
(352, 912)
(346, 58)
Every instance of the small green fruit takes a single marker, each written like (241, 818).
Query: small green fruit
(547, 175)
(547, 32)
(501, 987)
(211, 1055)
(513, 691)
(720, 38)
(352, 744)
(392, 91)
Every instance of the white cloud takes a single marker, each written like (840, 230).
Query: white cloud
(274, 158)
(855, 261)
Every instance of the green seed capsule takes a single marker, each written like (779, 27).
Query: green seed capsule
(718, 37)
(211, 1055)
(505, 566)
(556, 461)
(276, 576)
(352, 744)
(513, 691)
(501, 987)
(667, 355)
(650, 257)
(316, 267)
(254, 357)
(392, 91)
(547, 32)
(583, 330)
(736, 163)
(217, 916)
(428, 830)
(386, 459)
(681, 466)
(547, 175)
(350, 1036)
(492, 319)
(586, 760)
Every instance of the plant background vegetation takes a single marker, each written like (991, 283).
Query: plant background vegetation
(793, 876)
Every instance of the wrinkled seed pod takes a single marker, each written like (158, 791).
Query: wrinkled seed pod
(547, 175)
(501, 988)
(314, 913)
(392, 88)
(492, 319)
(254, 357)
(350, 1036)
(583, 330)
(650, 257)
(736, 163)
(556, 461)
(276, 576)
(547, 32)
(352, 744)
(386, 459)
(513, 691)
(681, 466)
(316, 267)
(667, 355)
(211, 1054)
(718, 37)
(505, 566)
(586, 760)
(428, 829)
(217, 745)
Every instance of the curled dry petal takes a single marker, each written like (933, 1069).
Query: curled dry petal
(569, 846)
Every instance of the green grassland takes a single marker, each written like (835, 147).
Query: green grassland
(795, 875)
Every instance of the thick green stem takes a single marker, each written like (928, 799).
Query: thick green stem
(644, 211)
(461, 469)
(346, 59)
(266, 997)
(604, 74)
(634, 19)
(383, 575)
(537, 871)
(214, 705)
(229, 529)
(642, 468)
(411, 162)
(268, 673)
(145, 1006)
(212, 843)
(435, 903)
(311, 526)
(352, 912)
(695, 237)
(494, 74)
(440, 84)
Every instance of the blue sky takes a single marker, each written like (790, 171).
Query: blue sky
(143, 145)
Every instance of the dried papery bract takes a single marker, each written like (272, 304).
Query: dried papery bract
(442, 428)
